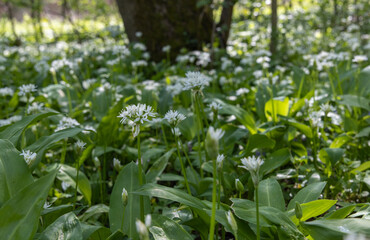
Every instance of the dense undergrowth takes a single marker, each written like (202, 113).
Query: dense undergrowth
(290, 132)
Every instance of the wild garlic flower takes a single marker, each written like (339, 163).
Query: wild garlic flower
(66, 122)
(359, 58)
(174, 117)
(327, 108)
(316, 120)
(80, 144)
(28, 156)
(26, 89)
(142, 230)
(195, 81)
(220, 158)
(148, 220)
(135, 115)
(215, 106)
(252, 164)
(6, 91)
(176, 131)
(166, 48)
(35, 107)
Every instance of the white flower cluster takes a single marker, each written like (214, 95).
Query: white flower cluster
(67, 122)
(35, 107)
(253, 164)
(195, 81)
(134, 115)
(6, 91)
(80, 144)
(174, 117)
(13, 119)
(27, 88)
(28, 156)
(215, 106)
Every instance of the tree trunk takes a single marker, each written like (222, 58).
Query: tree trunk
(180, 24)
(225, 22)
(274, 26)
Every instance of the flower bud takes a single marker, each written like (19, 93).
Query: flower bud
(116, 164)
(298, 210)
(232, 222)
(238, 185)
(96, 162)
(212, 141)
(142, 230)
(124, 197)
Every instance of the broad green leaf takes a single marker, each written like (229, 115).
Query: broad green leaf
(66, 227)
(173, 194)
(270, 194)
(331, 155)
(93, 211)
(312, 209)
(339, 141)
(164, 228)
(276, 107)
(364, 166)
(307, 194)
(68, 175)
(355, 101)
(47, 141)
(275, 160)
(50, 214)
(259, 141)
(158, 167)
(242, 115)
(337, 228)
(306, 130)
(14, 172)
(19, 215)
(128, 178)
(246, 210)
(14, 131)
(341, 213)
(93, 232)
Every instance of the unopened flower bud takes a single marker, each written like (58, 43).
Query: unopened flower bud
(238, 185)
(298, 210)
(213, 136)
(96, 162)
(142, 230)
(124, 197)
(231, 221)
(116, 164)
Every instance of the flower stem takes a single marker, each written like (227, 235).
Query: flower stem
(182, 165)
(164, 136)
(214, 196)
(78, 171)
(200, 126)
(140, 178)
(257, 214)
(123, 218)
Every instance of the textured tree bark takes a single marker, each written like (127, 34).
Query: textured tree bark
(225, 22)
(177, 23)
(274, 26)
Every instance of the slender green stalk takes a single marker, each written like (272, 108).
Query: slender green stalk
(257, 214)
(186, 156)
(123, 218)
(101, 185)
(164, 136)
(214, 196)
(140, 178)
(182, 165)
(78, 171)
(200, 129)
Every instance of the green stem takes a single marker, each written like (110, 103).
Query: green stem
(187, 157)
(101, 185)
(182, 165)
(214, 196)
(123, 218)
(257, 214)
(140, 178)
(78, 171)
(164, 136)
(200, 129)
